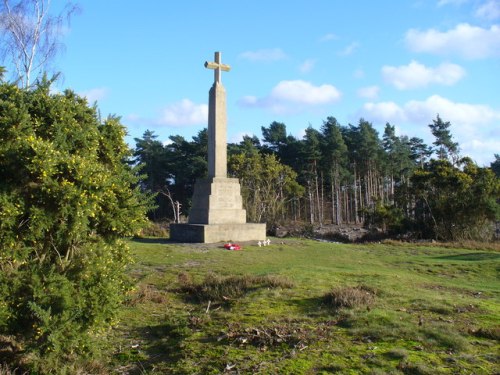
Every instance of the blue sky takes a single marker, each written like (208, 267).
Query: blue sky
(296, 62)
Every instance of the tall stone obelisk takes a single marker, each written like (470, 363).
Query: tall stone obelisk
(217, 212)
(217, 121)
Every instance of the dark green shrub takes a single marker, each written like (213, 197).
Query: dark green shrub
(386, 217)
(456, 202)
(67, 196)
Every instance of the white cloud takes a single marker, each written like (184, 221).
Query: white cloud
(484, 149)
(133, 117)
(415, 111)
(359, 73)
(464, 40)
(328, 37)
(383, 112)
(490, 10)
(184, 112)
(302, 92)
(450, 2)
(461, 114)
(249, 101)
(96, 94)
(369, 92)
(301, 133)
(416, 75)
(471, 123)
(307, 65)
(294, 96)
(273, 54)
(349, 50)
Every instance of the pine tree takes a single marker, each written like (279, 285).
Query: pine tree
(420, 152)
(311, 159)
(495, 165)
(275, 136)
(445, 147)
(334, 163)
(152, 157)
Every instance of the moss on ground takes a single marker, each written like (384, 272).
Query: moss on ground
(431, 310)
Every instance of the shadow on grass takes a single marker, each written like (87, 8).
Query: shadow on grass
(167, 348)
(311, 306)
(470, 257)
(151, 240)
(162, 347)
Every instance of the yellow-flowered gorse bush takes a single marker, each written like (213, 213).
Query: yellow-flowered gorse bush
(67, 197)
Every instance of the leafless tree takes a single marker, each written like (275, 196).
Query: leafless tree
(176, 206)
(31, 35)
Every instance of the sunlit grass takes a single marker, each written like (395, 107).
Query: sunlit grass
(306, 307)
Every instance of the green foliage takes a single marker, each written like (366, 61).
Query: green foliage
(266, 185)
(170, 171)
(287, 148)
(398, 154)
(420, 152)
(495, 165)
(339, 175)
(334, 149)
(445, 147)
(456, 204)
(384, 216)
(67, 196)
(275, 136)
(334, 160)
(364, 145)
(150, 154)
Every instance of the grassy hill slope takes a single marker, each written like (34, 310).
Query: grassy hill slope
(308, 307)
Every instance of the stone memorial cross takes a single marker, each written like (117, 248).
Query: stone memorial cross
(217, 139)
(217, 66)
(217, 212)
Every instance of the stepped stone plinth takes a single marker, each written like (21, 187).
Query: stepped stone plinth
(217, 201)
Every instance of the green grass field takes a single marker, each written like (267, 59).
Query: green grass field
(307, 307)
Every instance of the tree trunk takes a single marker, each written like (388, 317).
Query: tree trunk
(311, 203)
(321, 201)
(332, 195)
(337, 204)
(355, 196)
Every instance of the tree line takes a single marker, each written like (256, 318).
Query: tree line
(338, 175)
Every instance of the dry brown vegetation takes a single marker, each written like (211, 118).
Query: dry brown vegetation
(350, 297)
(218, 288)
(145, 293)
(5, 370)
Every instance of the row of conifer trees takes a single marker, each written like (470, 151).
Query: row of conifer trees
(337, 175)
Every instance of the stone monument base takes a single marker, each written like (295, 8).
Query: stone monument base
(210, 233)
(217, 200)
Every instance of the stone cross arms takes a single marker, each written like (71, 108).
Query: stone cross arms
(218, 67)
